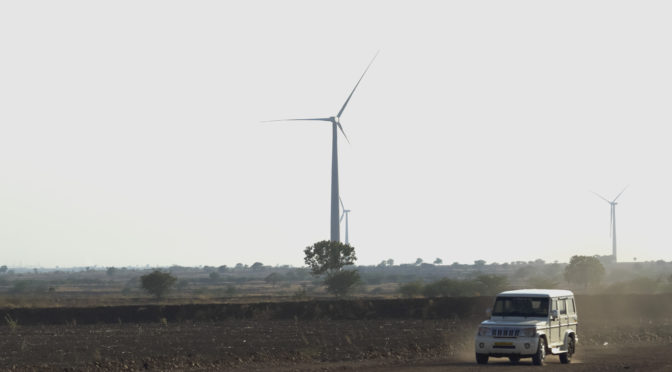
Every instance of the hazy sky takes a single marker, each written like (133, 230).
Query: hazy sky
(131, 134)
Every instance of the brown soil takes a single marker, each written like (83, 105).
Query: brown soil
(638, 340)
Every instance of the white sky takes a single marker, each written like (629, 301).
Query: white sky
(130, 131)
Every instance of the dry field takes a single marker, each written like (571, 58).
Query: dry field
(630, 332)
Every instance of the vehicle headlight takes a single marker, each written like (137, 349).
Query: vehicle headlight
(528, 332)
(483, 331)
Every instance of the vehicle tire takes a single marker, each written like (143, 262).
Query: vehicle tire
(567, 357)
(482, 358)
(540, 355)
(514, 359)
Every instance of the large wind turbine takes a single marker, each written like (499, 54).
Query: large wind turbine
(346, 213)
(335, 122)
(612, 225)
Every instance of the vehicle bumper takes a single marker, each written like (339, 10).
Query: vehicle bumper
(524, 346)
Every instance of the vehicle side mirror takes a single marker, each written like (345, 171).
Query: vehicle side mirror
(554, 314)
(488, 312)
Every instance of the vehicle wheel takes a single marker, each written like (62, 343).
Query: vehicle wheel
(567, 357)
(514, 359)
(482, 358)
(540, 355)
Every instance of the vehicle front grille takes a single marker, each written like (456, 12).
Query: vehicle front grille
(505, 332)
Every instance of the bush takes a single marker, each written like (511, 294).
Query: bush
(490, 285)
(273, 278)
(442, 288)
(29, 286)
(341, 282)
(412, 289)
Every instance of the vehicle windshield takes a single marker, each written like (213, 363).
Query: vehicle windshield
(521, 306)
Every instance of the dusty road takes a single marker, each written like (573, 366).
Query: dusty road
(594, 359)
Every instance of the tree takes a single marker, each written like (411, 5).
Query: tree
(479, 263)
(390, 262)
(329, 256)
(418, 261)
(438, 261)
(214, 276)
(3, 269)
(111, 271)
(584, 270)
(157, 283)
(257, 266)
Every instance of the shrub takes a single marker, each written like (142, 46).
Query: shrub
(341, 282)
(29, 286)
(411, 289)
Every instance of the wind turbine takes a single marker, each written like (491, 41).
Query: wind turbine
(612, 224)
(335, 123)
(346, 213)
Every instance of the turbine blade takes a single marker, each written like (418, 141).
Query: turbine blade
(353, 89)
(310, 119)
(342, 206)
(343, 215)
(621, 193)
(601, 197)
(342, 131)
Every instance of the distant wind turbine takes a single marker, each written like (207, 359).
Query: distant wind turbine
(346, 213)
(612, 224)
(335, 122)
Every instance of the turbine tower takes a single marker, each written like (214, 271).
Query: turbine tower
(335, 123)
(346, 213)
(612, 224)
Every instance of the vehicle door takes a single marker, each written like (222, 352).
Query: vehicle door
(554, 322)
(571, 314)
(563, 319)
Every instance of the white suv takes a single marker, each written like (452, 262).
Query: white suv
(529, 323)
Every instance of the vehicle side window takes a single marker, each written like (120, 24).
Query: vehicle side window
(570, 306)
(554, 305)
(562, 310)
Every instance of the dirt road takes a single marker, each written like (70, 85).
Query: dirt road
(592, 359)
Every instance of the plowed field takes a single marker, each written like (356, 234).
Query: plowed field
(373, 343)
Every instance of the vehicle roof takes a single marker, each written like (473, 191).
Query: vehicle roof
(537, 293)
